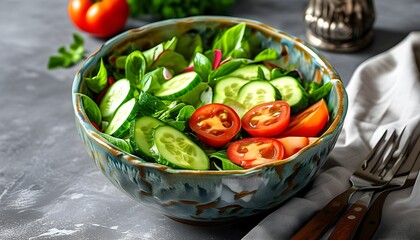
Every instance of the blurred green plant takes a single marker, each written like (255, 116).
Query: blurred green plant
(164, 9)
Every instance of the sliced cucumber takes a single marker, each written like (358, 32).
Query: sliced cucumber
(250, 72)
(291, 92)
(120, 122)
(117, 94)
(227, 88)
(141, 135)
(256, 92)
(172, 148)
(178, 86)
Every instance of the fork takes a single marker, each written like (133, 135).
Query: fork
(403, 180)
(350, 221)
(368, 176)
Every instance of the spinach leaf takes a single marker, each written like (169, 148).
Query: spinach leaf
(119, 143)
(149, 104)
(171, 44)
(99, 82)
(152, 80)
(231, 40)
(153, 53)
(226, 164)
(67, 58)
(202, 66)
(266, 55)
(91, 109)
(185, 113)
(172, 60)
(135, 68)
(225, 69)
(321, 92)
(189, 44)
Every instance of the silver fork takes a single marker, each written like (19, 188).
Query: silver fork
(348, 224)
(404, 178)
(371, 174)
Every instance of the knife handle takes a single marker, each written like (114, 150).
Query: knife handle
(346, 228)
(321, 221)
(372, 219)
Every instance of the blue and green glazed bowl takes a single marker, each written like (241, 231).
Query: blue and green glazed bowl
(212, 196)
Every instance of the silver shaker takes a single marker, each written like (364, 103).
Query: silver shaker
(340, 25)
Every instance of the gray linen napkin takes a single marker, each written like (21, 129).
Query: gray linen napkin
(384, 92)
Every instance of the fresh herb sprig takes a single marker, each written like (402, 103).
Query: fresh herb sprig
(68, 57)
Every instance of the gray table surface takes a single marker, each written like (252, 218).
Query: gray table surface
(49, 187)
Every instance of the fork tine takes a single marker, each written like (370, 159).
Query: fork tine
(376, 154)
(367, 160)
(391, 162)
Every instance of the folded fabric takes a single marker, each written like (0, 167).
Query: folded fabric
(384, 93)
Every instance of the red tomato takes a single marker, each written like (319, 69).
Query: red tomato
(215, 124)
(251, 152)
(293, 144)
(267, 119)
(310, 122)
(101, 18)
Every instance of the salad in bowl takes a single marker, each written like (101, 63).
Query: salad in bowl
(194, 104)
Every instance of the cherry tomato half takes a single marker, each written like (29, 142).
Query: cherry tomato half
(292, 145)
(215, 124)
(100, 18)
(267, 119)
(251, 152)
(310, 122)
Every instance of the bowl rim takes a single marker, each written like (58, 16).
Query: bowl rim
(137, 161)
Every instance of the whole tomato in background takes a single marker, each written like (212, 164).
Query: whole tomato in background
(102, 18)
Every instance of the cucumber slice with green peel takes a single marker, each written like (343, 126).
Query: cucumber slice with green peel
(292, 92)
(256, 92)
(118, 93)
(172, 148)
(120, 122)
(227, 88)
(178, 86)
(250, 72)
(141, 135)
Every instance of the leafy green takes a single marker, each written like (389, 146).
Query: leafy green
(153, 53)
(185, 113)
(152, 80)
(91, 109)
(172, 60)
(99, 82)
(119, 143)
(231, 40)
(150, 104)
(135, 68)
(67, 58)
(225, 69)
(320, 92)
(225, 162)
(266, 55)
(202, 66)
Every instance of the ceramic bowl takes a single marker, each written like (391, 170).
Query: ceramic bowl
(212, 196)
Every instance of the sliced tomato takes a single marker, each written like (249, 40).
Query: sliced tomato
(251, 152)
(267, 119)
(310, 122)
(215, 124)
(293, 144)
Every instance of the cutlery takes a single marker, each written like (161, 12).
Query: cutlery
(373, 217)
(348, 224)
(364, 178)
